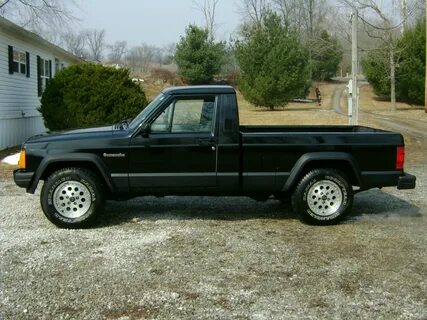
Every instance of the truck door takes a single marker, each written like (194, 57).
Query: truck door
(180, 150)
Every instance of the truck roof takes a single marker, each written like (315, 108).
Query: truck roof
(199, 90)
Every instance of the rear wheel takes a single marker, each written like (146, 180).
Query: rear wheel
(323, 197)
(72, 198)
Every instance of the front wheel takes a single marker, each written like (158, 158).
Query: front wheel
(72, 198)
(323, 197)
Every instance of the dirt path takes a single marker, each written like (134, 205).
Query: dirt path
(414, 128)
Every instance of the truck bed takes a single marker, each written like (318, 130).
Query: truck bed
(269, 153)
(306, 129)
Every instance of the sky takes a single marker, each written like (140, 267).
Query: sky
(155, 22)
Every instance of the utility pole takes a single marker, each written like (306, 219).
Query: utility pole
(404, 14)
(354, 118)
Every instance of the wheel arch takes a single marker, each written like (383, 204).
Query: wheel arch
(334, 160)
(53, 163)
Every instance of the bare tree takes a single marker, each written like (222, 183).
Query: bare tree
(306, 16)
(37, 15)
(169, 53)
(413, 11)
(96, 43)
(139, 58)
(383, 24)
(117, 52)
(158, 55)
(133, 59)
(147, 53)
(208, 8)
(385, 33)
(75, 43)
(288, 9)
(404, 15)
(255, 10)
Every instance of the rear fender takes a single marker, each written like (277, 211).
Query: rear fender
(311, 158)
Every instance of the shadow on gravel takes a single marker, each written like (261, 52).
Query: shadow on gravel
(382, 204)
(373, 203)
(193, 208)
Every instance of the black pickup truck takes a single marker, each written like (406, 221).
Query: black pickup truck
(188, 141)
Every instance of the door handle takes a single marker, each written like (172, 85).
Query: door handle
(207, 142)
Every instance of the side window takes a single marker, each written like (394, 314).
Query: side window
(163, 121)
(186, 115)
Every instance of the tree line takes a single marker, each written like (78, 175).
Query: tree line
(277, 57)
(91, 45)
(282, 45)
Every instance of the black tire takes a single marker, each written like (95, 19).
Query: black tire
(72, 198)
(323, 197)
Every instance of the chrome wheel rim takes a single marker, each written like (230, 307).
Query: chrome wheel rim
(324, 198)
(72, 199)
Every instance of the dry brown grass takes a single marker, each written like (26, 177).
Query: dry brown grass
(152, 89)
(310, 113)
(370, 102)
(294, 113)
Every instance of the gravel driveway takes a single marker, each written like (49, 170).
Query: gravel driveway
(225, 258)
(208, 258)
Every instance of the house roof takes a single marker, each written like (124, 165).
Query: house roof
(8, 25)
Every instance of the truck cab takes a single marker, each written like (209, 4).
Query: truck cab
(188, 143)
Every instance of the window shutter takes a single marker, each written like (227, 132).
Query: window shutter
(10, 60)
(28, 64)
(39, 77)
(50, 69)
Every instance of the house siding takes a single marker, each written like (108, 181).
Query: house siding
(19, 118)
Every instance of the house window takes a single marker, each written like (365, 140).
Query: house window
(44, 68)
(57, 66)
(44, 73)
(19, 62)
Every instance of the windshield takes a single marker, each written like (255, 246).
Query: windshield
(147, 110)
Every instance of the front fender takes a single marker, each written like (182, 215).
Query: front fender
(71, 158)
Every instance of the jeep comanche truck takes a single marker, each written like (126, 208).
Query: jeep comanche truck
(188, 141)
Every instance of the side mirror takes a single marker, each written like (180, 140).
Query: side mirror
(145, 129)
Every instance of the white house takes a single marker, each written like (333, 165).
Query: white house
(27, 62)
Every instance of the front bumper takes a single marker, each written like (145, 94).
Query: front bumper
(23, 178)
(407, 181)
